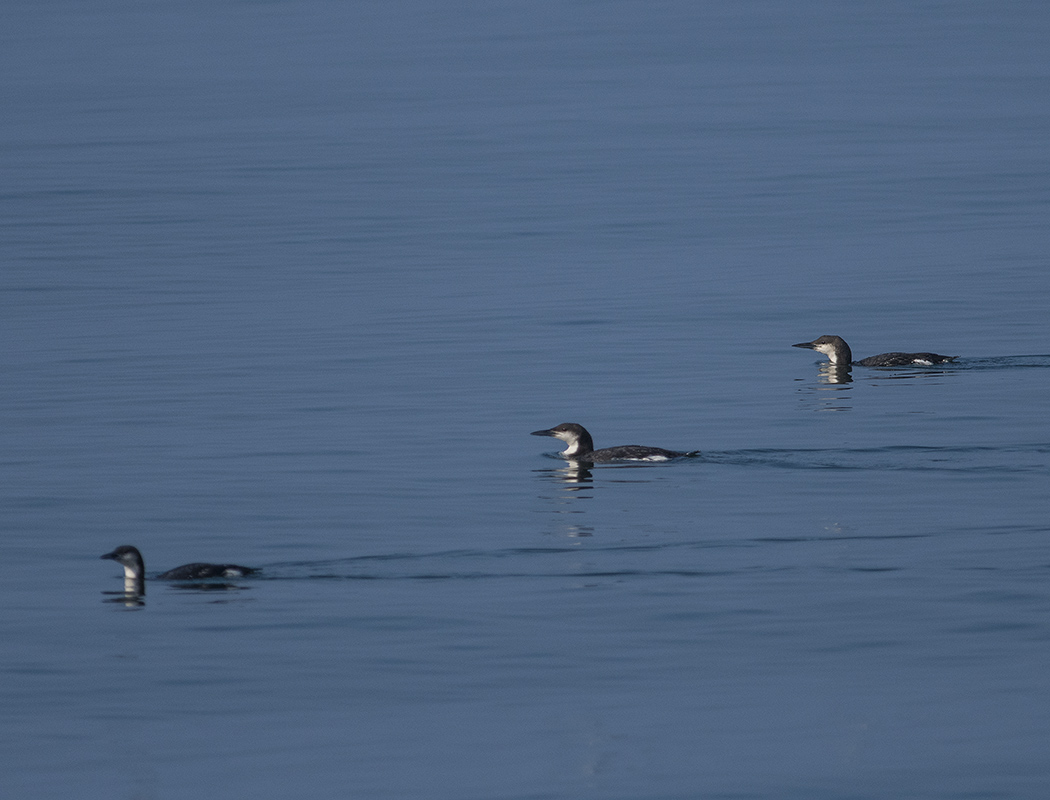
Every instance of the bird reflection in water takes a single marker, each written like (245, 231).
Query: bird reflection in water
(574, 473)
(578, 531)
(133, 596)
(829, 373)
(832, 391)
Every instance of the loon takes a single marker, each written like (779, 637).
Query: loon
(836, 349)
(581, 447)
(135, 569)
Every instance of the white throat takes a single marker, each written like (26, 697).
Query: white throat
(572, 441)
(829, 351)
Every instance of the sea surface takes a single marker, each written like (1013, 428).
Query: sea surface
(288, 284)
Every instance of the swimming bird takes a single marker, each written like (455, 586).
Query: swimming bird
(836, 349)
(135, 569)
(581, 447)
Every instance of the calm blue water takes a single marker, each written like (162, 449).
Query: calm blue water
(288, 284)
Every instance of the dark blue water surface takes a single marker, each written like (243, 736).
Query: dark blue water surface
(289, 284)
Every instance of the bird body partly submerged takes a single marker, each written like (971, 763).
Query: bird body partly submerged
(581, 447)
(135, 568)
(196, 571)
(838, 352)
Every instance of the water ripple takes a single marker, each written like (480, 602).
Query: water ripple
(1020, 458)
